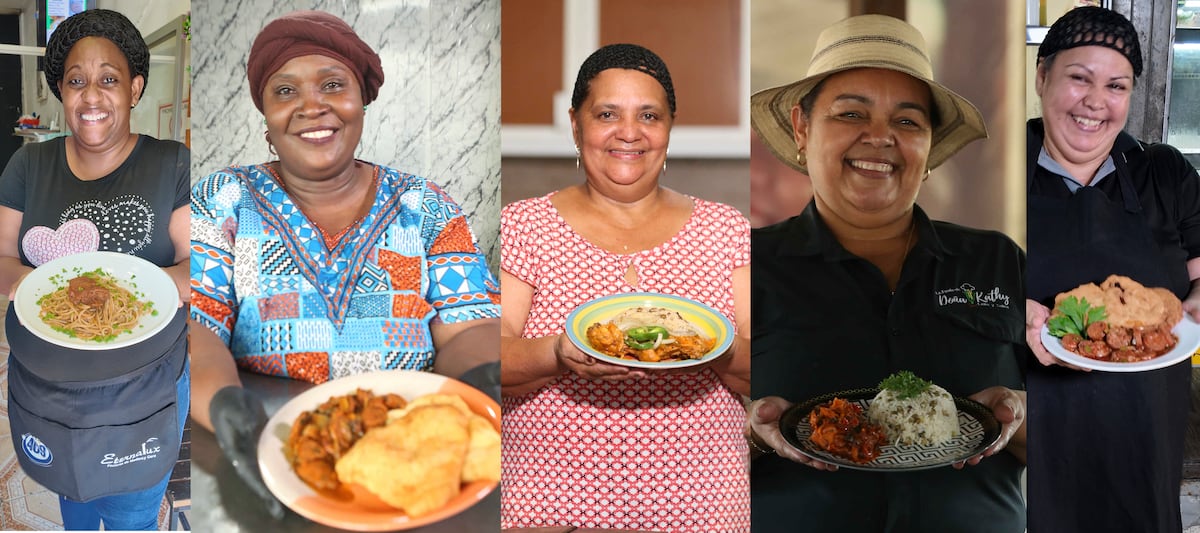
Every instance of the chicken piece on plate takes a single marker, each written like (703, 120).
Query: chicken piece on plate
(606, 338)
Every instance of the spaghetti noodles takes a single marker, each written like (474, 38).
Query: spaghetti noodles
(92, 306)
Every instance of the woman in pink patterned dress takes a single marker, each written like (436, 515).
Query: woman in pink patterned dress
(590, 444)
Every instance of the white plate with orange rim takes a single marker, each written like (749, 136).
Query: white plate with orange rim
(1186, 330)
(363, 511)
(144, 279)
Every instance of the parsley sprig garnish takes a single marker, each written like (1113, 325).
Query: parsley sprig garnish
(905, 384)
(1073, 315)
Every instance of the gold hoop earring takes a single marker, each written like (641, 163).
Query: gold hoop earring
(926, 178)
(576, 158)
(665, 161)
(270, 147)
(801, 159)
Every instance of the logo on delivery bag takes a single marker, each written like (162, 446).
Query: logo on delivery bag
(36, 450)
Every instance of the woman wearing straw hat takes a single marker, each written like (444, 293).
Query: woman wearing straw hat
(1117, 206)
(863, 284)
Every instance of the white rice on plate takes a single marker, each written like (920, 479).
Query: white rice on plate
(927, 419)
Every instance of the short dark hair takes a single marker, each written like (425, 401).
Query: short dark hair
(627, 56)
(104, 23)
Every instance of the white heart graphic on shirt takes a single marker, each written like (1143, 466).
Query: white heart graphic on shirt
(126, 223)
(42, 244)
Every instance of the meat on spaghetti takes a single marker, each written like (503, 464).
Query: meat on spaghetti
(92, 306)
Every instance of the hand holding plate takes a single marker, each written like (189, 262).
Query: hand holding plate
(1009, 409)
(1036, 316)
(12, 291)
(589, 367)
(1191, 306)
(762, 421)
(238, 418)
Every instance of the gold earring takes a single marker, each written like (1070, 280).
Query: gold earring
(270, 147)
(576, 158)
(801, 159)
(926, 178)
(665, 161)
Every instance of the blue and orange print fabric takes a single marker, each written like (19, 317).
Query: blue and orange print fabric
(266, 282)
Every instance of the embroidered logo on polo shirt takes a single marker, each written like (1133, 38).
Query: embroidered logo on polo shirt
(967, 294)
(36, 451)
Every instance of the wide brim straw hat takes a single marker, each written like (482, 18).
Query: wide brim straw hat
(867, 41)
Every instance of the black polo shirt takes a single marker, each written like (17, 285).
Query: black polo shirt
(825, 321)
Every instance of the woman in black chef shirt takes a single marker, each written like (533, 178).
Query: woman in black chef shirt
(100, 428)
(1101, 203)
(863, 284)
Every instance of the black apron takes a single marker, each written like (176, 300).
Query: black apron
(89, 438)
(1105, 450)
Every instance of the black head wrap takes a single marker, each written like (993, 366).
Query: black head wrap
(1094, 26)
(627, 56)
(104, 23)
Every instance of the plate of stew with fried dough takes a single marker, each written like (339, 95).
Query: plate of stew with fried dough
(382, 451)
(1120, 325)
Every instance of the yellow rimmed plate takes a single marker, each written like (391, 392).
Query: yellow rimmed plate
(601, 310)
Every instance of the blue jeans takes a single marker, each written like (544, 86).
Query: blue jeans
(132, 511)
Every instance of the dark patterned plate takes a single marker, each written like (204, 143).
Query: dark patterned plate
(977, 428)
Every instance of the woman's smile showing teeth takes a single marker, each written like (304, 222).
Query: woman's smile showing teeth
(629, 154)
(92, 117)
(872, 166)
(1087, 123)
(316, 134)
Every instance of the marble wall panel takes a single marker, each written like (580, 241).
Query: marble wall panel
(438, 111)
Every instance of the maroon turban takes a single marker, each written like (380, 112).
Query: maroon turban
(303, 33)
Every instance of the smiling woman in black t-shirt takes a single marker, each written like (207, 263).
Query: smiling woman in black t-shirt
(74, 414)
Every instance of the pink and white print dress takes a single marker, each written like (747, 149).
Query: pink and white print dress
(665, 453)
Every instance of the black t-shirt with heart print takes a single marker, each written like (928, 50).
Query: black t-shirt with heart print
(127, 211)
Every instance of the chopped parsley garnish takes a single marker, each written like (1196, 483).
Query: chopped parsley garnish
(905, 384)
(1073, 315)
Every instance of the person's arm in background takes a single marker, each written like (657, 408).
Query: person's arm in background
(462, 346)
(212, 370)
(11, 268)
(179, 228)
(1187, 200)
(12, 202)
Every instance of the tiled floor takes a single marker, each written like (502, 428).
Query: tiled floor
(26, 505)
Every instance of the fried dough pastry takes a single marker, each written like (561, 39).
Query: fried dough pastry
(1131, 304)
(1172, 307)
(413, 463)
(1128, 303)
(483, 451)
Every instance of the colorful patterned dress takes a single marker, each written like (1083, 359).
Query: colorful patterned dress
(665, 453)
(289, 304)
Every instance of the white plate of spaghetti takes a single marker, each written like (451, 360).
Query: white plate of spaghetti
(96, 300)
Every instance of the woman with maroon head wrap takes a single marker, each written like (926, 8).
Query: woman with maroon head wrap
(355, 258)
